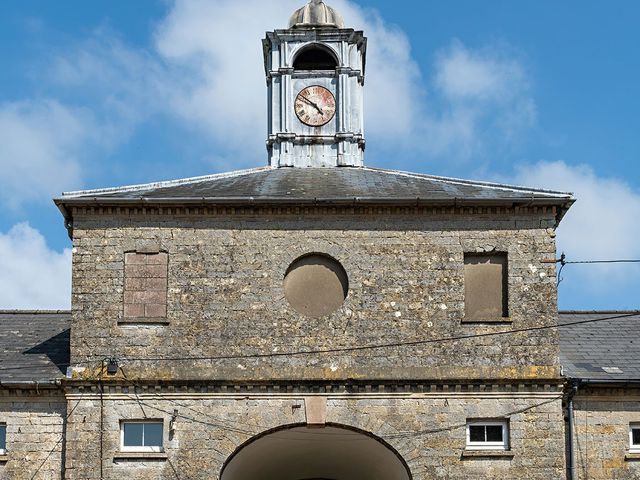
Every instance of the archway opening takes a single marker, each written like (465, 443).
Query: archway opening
(315, 58)
(303, 453)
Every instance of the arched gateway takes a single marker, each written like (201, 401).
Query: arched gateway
(304, 453)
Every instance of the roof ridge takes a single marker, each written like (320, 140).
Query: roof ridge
(165, 183)
(594, 312)
(33, 312)
(500, 186)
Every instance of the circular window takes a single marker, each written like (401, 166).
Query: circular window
(316, 285)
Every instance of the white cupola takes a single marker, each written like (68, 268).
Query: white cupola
(315, 81)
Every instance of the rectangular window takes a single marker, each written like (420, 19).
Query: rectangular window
(493, 435)
(141, 436)
(634, 438)
(486, 287)
(3, 439)
(145, 285)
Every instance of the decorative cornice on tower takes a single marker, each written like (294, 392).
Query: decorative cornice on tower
(315, 81)
(316, 14)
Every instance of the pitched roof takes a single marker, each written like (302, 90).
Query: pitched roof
(605, 347)
(34, 346)
(296, 185)
(346, 186)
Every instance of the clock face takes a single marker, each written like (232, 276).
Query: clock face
(315, 106)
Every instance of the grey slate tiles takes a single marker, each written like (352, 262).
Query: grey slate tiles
(606, 347)
(322, 183)
(34, 345)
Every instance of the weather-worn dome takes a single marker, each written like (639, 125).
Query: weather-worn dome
(316, 14)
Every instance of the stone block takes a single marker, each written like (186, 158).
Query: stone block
(155, 310)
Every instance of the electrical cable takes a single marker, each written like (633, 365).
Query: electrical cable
(417, 342)
(410, 343)
(591, 262)
(564, 262)
(264, 428)
(60, 440)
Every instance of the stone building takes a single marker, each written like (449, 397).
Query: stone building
(312, 319)
(600, 355)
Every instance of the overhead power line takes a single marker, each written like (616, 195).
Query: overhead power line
(587, 262)
(357, 348)
(377, 346)
(563, 262)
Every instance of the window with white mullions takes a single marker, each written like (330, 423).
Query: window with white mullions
(3, 439)
(141, 436)
(492, 435)
(634, 438)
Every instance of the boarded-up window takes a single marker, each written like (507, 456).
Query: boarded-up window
(485, 287)
(145, 286)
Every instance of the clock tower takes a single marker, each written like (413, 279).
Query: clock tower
(315, 79)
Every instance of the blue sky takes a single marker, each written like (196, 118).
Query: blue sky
(105, 93)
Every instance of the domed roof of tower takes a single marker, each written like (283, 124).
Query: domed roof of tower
(316, 14)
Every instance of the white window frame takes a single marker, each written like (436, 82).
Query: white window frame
(504, 445)
(140, 449)
(633, 448)
(3, 451)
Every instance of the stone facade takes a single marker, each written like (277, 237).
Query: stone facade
(180, 319)
(35, 434)
(226, 305)
(602, 417)
(426, 428)
(226, 298)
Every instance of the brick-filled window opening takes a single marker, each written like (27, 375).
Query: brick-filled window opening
(3, 439)
(493, 435)
(634, 438)
(486, 295)
(145, 285)
(141, 436)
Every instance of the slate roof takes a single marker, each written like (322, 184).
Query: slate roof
(320, 185)
(605, 348)
(599, 346)
(34, 346)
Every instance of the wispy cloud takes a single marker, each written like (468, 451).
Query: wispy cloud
(41, 149)
(33, 275)
(481, 99)
(205, 70)
(600, 226)
(222, 86)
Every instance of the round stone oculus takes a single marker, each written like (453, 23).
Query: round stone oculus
(316, 285)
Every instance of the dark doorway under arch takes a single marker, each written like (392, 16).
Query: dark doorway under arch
(303, 453)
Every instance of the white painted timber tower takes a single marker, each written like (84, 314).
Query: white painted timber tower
(315, 81)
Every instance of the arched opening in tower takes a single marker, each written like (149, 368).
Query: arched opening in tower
(303, 453)
(315, 58)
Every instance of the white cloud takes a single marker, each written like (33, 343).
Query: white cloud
(40, 149)
(216, 47)
(484, 97)
(206, 68)
(600, 226)
(216, 44)
(123, 86)
(479, 75)
(33, 276)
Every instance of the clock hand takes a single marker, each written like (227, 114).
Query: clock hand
(313, 104)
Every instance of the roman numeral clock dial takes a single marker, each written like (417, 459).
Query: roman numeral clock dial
(315, 106)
